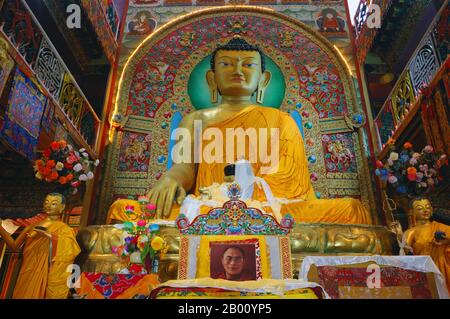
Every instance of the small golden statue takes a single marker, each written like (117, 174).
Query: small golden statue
(50, 247)
(427, 237)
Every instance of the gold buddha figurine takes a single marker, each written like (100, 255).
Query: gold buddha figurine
(237, 73)
(427, 237)
(50, 246)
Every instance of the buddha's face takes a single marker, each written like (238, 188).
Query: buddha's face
(422, 209)
(53, 205)
(237, 73)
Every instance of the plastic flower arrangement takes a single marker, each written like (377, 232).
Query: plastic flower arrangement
(141, 245)
(62, 164)
(411, 173)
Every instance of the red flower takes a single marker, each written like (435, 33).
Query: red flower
(47, 153)
(62, 144)
(69, 177)
(379, 164)
(68, 166)
(412, 177)
(407, 145)
(62, 180)
(46, 172)
(51, 164)
(54, 176)
(75, 184)
(54, 146)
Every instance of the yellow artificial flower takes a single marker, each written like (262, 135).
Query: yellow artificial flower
(157, 243)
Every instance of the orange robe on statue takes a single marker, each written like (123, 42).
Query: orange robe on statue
(423, 245)
(291, 181)
(37, 279)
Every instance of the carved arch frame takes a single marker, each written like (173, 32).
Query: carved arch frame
(116, 182)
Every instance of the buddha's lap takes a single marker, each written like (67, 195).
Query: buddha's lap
(340, 211)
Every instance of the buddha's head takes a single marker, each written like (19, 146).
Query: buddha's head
(54, 204)
(421, 209)
(237, 70)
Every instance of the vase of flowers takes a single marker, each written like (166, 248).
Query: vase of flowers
(62, 164)
(141, 245)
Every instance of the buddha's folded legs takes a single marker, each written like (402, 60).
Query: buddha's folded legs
(338, 211)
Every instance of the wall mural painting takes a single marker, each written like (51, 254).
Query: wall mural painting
(134, 153)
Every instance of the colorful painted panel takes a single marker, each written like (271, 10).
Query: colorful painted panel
(71, 100)
(112, 16)
(88, 127)
(22, 121)
(99, 23)
(26, 104)
(351, 282)
(6, 66)
(49, 69)
(339, 153)
(21, 29)
(47, 118)
(134, 153)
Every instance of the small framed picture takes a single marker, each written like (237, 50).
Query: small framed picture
(236, 260)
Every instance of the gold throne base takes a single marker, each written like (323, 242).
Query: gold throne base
(306, 240)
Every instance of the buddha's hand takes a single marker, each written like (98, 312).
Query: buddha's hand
(164, 193)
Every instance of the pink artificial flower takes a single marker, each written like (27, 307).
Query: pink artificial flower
(129, 208)
(390, 162)
(419, 176)
(151, 207)
(141, 223)
(392, 179)
(71, 159)
(413, 161)
(428, 149)
(142, 199)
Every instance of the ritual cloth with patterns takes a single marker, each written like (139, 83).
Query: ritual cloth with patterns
(375, 277)
(116, 286)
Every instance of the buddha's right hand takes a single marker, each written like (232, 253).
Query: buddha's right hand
(164, 193)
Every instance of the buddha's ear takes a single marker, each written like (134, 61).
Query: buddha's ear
(212, 84)
(265, 80)
(262, 86)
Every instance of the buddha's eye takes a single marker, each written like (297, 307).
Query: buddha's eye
(224, 63)
(250, 65)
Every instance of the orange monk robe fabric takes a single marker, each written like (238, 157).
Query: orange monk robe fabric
(36, 279)
(291, 181)
(423, 245)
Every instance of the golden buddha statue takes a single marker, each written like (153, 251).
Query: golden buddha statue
(427, 237)
(237, 73)
(50, 247)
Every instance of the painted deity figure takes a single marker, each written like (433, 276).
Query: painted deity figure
(428, 237)
(238, 73)
(50, 247)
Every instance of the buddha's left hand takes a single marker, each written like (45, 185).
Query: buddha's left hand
(164, 194)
